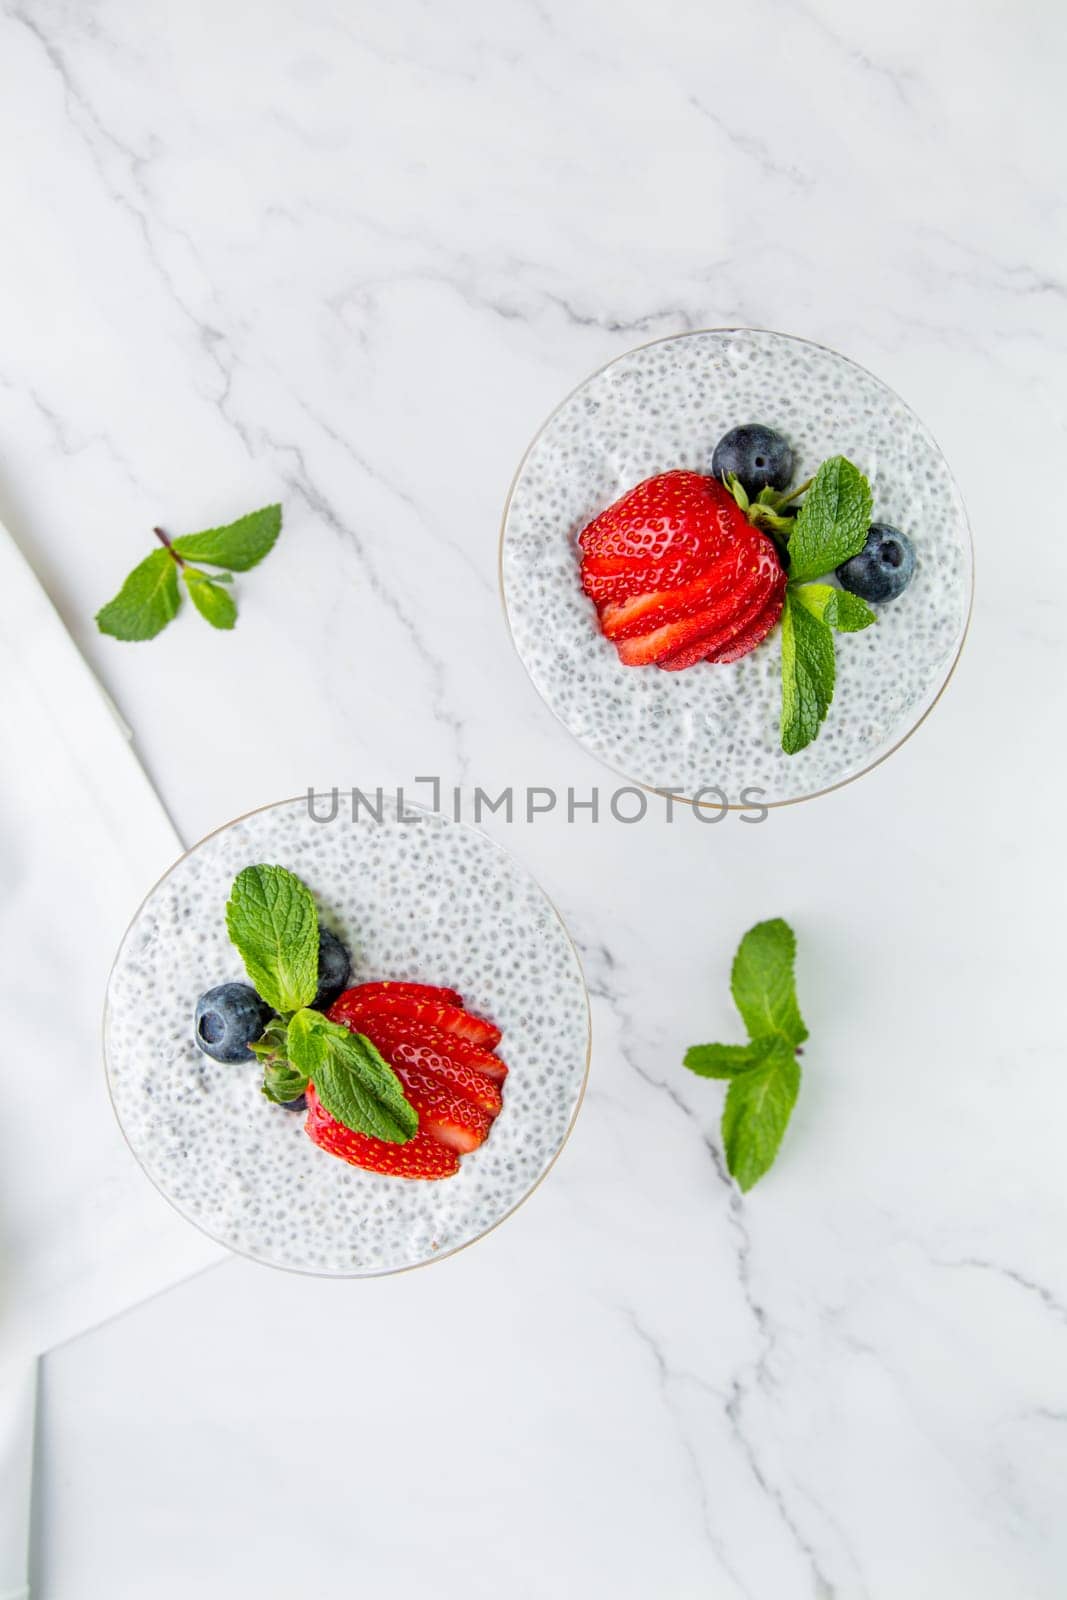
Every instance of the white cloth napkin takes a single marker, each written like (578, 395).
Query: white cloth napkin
(82, 839)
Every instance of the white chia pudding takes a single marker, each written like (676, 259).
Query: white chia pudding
(427, 901)
(666, 405)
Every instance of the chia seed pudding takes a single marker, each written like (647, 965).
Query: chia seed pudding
(664, 406)
(427, 901)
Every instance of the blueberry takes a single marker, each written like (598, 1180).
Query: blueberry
(299, 1104)
(758, 456)
(884, 566)
(334, 967)
(228, 1019)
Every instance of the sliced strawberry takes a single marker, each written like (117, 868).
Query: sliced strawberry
(764, 595)
(422, 1157)
(388, 1031)
(757, 577)
(680, 512)
(688, 656)
(679, 574)
(617, 577)
(753, 635)
(411, 991)
(476, 1086)
(446, 1015)
(667, 640)
(626, 619)
(404, 1043)
(449, 1116)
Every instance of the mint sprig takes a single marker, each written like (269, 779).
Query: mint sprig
(764, 1075)
(830, 526)
(273, 923)
(150, 596)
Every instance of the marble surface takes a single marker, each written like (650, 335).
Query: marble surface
(350, 257)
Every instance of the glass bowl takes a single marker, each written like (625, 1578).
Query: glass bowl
(425, 900)
(715, 727)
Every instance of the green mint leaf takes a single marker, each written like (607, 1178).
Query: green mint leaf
(272, 920)
(146, 602)
(719, 1060)
(832, 523)
(845, 612)
(212, 601)
(758, 1106)
(308, 1040)
(239, 545)
(763, 984)
(808, 670)
(355, 1084)
(763, 1075)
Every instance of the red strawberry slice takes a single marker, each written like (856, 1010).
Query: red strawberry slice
(764, 599)
(617, 577)
(722, 584)
(412, 991)
(753, 635)
(650, 648)
(760, 577)
(682, 513)
(446, 1015)
(450, 1117)
(404, 1043)
(422, 1157)
(475, 1086)
(366, 1017)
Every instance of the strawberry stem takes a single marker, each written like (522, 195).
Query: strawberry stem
(785, 498)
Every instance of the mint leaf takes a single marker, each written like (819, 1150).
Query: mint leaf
(758, 1106)
(808, 672)
(146, 602)
(239, 545)
(272, 920)
(719, 1060)
(308, 1040)
(355, 1084)
(836, 607)
(763, 984)
(832, 523)
(210, 599)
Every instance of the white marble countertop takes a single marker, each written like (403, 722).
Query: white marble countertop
(349, 257)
